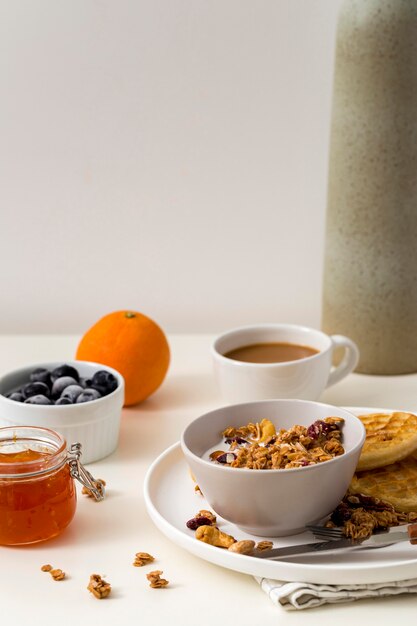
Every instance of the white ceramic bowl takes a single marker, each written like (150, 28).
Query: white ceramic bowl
(272, 503)
(94, 424)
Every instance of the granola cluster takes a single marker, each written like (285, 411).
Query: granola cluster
(361, 515)
(99, 587)
(260, 446)
(142, 558)
(155, 580)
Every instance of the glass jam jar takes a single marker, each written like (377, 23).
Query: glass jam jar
(37, 490)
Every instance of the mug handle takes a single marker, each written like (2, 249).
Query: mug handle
(349, 361)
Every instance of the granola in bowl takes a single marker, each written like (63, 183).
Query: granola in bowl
(260, 446)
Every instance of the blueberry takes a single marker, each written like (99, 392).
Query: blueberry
(64, 400)
(60, 384)
(71, 392)
(105, 382)
(65, 370)
(85, 382)
(16, 396)
(35, 389)
(87, 395)
(41, 375)
(39, 399)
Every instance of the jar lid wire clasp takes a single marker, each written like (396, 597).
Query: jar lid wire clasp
(78, 471)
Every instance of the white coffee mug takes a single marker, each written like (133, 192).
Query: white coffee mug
(304, 378)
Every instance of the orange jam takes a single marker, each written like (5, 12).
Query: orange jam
(37, 492)
(22, 456)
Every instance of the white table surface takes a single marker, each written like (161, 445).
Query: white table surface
(104, 537)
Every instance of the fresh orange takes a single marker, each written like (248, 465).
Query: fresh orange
(132, 344)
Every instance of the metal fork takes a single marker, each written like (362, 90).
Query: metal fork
(333, 534)
(322, 532)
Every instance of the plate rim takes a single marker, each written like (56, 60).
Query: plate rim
(290, 571)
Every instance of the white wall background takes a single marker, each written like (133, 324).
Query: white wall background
(168, 156)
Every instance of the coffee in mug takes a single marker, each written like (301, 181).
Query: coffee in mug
(269, 361)
(273, 352)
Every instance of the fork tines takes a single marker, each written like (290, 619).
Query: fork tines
(322, 532)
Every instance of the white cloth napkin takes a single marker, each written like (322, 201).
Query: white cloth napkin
(295, 596)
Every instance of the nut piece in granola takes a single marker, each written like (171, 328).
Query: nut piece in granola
(245, 546)
(262, 546)
(143, 558)
(267, 430)
(155, 580)
(98, 587)
(214, 536)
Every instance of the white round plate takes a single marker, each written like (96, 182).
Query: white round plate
(171, 500)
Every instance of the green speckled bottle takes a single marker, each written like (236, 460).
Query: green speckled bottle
(370, 265)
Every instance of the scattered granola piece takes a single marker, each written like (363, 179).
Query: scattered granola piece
(98, 484)
(245, 546)
(142, 558)
(155, 579)
(57, 574)
(214, 536)
(202, 518)
(198, 490)
(46, 568)
(99, 587)
(264, 545)
(208, 514)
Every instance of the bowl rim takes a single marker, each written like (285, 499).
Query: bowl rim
(63, 407)
(216, 467)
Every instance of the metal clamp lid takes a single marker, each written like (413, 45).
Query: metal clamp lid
(78, 471)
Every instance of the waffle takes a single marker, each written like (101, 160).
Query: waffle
(395, 483)
(390, 437)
